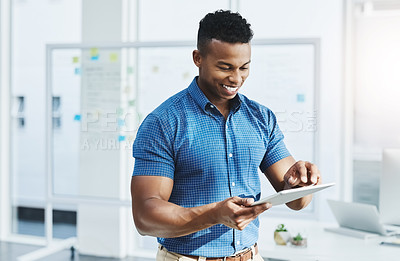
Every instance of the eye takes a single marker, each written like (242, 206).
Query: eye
(244, 68)
(224, 68)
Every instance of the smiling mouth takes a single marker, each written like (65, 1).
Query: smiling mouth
(230, 88)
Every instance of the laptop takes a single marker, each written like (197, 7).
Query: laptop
(357, 220)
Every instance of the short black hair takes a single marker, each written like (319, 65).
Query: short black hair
(225, 26)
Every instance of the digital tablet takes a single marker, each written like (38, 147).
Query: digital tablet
(288, 195)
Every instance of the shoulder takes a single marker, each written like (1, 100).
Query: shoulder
(171, 108)
(258, 110)
(172, 104)
(165, 116)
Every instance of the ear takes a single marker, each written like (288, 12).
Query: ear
(197, 58)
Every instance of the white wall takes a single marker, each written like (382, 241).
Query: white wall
(377, 60)
(376, 94)
(4, 118)
(35, 24)
(174, 20)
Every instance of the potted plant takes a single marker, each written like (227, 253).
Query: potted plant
(281, 235)
(299, 240)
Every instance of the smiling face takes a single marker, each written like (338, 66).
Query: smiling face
(222, 70)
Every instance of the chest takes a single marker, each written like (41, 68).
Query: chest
(211, 143)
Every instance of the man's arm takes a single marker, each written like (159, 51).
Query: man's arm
(155, 216)
(287, 173)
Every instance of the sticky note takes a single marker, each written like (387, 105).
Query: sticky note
(94, 53)
(127, 89)
(120, 111)
(129, 70)
(77, 117)
(121, 138)
(131, 103)
(113, 57)
(121, 122)
(300, 97)
(75, 59)
(77, 71)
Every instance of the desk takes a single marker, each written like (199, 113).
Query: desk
(322, 245)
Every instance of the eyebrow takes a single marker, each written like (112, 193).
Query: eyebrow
(230, 65)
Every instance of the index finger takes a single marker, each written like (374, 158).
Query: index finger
(313, 172)
(302, 172)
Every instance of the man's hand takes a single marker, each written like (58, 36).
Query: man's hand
(155, 216)
(302, 173)
(287, 174)
(237, 212)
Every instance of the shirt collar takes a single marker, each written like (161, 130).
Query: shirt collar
(200, 98)
(197, 94)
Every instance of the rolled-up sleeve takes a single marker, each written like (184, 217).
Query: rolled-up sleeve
(276, 148)
(152, 150)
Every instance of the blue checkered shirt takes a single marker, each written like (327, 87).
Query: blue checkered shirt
(209, 159)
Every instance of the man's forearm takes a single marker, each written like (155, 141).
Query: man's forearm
(160, 218)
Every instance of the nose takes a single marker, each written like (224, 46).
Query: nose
(235, 77)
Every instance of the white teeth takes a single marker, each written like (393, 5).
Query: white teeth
(231, 89)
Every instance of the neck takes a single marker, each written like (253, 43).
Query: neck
(224, 109)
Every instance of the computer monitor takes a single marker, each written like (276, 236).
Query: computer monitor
(389, 192)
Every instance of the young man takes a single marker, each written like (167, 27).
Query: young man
(197, 155)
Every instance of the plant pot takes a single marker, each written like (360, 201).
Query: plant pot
(298, 243)
(282, 237)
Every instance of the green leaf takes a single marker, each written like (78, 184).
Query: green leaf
(298, 237)
(281, 228)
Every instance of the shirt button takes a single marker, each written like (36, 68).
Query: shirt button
(238, 242)
(230, 155)
(233, 184)
(212, 106)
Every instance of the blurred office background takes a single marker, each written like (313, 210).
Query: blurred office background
(78, 76)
